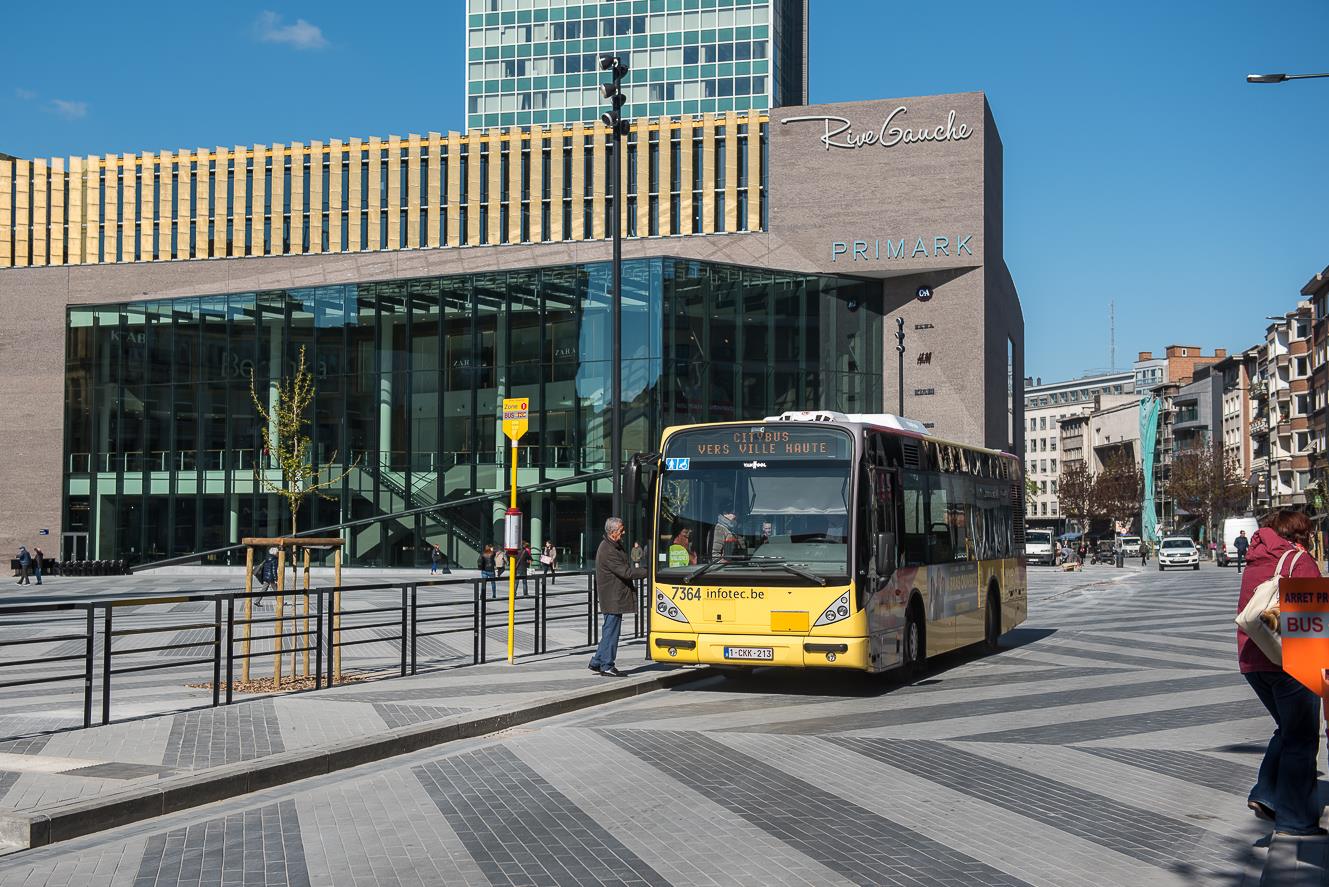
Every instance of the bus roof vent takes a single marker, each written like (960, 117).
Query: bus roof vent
(890, 420)
(808, 416)
(909, 451)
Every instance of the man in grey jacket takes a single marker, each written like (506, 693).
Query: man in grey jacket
(614, 575)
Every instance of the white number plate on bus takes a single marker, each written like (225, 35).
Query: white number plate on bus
(759, 653)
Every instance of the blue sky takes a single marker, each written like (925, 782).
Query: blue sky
(1140, 166)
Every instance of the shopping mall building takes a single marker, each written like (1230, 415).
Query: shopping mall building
(768, 254)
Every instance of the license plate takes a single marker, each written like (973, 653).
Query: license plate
(758, 653)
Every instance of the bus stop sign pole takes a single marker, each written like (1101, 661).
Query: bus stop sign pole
(515, 421)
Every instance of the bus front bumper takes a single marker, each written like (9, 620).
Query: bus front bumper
(760, 649)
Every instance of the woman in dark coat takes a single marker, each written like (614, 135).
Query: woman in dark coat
(1285, 791)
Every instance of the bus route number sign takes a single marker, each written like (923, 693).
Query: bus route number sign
(516, 412)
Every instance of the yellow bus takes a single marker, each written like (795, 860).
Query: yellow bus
(820, 539)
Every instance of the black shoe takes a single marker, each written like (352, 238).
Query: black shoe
(1261, 810)
(612, 673)
(594, 668)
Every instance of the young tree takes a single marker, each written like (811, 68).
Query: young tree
(1119, 487)
(1076, 494)
(1207, 485)
(284, 436)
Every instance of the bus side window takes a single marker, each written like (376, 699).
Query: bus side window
(883, 507)
(913, 527)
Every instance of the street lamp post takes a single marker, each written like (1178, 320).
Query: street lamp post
(899, 347)
(612, 90)
(1279, 78)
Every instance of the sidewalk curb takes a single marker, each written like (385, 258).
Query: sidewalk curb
(39, 828)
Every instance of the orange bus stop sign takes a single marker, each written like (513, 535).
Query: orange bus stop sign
(1304, 626)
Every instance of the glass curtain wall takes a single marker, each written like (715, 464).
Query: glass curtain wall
(163, 444)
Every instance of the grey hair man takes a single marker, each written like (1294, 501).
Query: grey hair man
(614, 575)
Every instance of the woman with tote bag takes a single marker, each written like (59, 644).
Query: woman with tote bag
(1285, 791)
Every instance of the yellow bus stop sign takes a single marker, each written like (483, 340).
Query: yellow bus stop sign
(515, 411)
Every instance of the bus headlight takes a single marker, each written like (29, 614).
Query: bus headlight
(667, 609)
(839, 609)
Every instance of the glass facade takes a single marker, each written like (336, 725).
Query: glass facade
(162, 440)
(537, 61)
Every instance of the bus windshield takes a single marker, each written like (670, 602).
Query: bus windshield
(762, 504)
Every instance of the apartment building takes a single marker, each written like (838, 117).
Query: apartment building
(1045, 406)
(1287, 407)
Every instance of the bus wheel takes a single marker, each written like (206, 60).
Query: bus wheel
(992, 625)
(915, 650)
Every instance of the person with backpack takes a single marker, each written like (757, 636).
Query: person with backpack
(1285, 791)
(266, 573)
(24, 565)
(435, 555)
(488, 570)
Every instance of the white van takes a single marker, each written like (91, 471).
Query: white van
(1038, 547)
(1129, 546)
(1232, 527)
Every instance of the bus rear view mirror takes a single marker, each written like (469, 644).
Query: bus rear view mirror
(884, 552)
(639, 477)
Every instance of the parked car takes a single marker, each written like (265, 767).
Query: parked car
(1178, 551)
(1232, 527)
(1038, 547)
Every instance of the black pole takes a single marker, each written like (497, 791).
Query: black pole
(899, 347)
(616, 395)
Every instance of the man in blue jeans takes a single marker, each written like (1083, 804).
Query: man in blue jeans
(614, 575)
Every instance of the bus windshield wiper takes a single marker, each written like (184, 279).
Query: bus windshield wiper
(759, 560)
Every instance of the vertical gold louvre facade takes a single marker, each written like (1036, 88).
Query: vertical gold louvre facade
(679, 176)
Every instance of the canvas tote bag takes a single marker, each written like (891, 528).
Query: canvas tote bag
(1265, 598)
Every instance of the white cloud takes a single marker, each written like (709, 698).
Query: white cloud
(69, 110)
(269, 28)
(26, 95)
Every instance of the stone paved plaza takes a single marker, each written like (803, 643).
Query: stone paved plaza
(1111, 743)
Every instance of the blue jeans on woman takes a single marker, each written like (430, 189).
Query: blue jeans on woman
(493, 586)
(1287, 781)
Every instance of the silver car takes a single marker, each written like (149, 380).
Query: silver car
(1178, 551)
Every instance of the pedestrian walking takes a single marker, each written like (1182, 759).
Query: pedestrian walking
(37, 556)
(1241, 544)
(548, 559)
(614, 576)
(488, 567)
(435, 555)
(267, 574)
(1285, 791)
(500, 561)
(523, 566)
(24, 566)
(637, 554)
(1144, 553)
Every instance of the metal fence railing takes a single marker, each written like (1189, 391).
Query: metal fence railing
(304, 639)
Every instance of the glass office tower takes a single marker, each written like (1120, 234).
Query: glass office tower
(536, 61)
(162, 438)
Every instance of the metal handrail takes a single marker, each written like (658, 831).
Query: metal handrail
(322, 635)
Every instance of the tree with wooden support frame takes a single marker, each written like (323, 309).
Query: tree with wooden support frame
(297, 546)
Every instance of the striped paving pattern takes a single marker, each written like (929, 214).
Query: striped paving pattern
(1112, 742)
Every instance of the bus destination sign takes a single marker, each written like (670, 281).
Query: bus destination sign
(765, 441)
